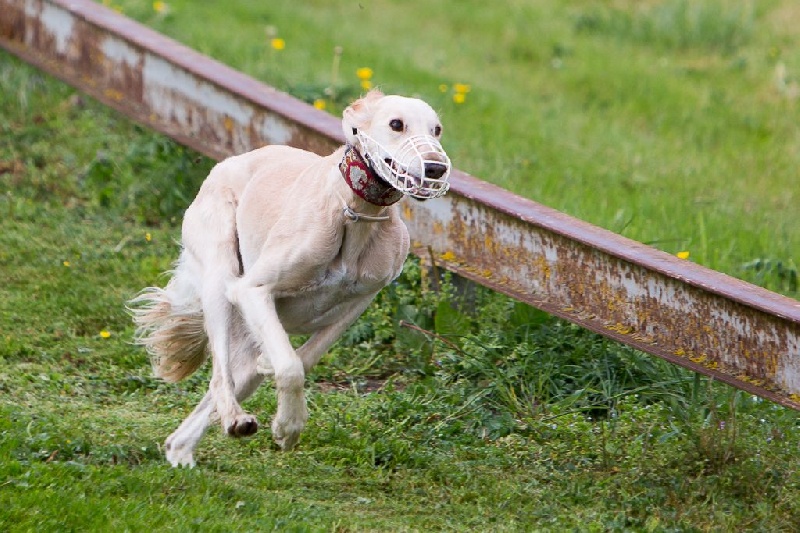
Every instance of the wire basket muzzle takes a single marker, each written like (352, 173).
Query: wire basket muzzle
(419, 167)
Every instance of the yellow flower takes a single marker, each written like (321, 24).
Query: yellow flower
(683, 255)
(462, 88)
(364, 73)
(459, 98)
(366, 85)
(277, 43)
(148, 237)
(320, 104)
(160, 7)
(67, 264)
(105, 334)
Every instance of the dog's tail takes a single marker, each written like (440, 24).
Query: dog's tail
(169, 324)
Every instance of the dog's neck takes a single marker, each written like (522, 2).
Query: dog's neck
(363, 181)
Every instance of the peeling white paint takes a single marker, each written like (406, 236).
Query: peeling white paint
(161, 76)
(275, 130)
(426, 215)
(121, 52)
(60, 24)
(789, 367)
(32, 8)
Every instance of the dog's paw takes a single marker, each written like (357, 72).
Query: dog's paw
(242, 426)
(178, 456)
(286, 431)
(286, 440)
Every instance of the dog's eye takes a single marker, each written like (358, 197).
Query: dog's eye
(396, 124)
(437, 131)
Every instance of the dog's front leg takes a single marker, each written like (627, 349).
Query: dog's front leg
(257, 305)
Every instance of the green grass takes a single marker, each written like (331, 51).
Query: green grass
(505, 419)
(662, 120)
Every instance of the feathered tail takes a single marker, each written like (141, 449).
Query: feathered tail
(170, 326)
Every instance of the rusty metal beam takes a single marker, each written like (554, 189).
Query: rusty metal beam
(700, 319)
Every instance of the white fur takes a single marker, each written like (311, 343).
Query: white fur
(307, 269)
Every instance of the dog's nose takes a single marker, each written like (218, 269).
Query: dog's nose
(435, 170)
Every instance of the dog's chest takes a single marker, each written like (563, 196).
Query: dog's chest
(323, 302)
(355, 274)
(341, 280)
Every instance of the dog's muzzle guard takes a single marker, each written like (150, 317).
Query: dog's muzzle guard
(419, 168)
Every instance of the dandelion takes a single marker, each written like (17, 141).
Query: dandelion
(105, 334)
(67, 264)
(365, 75)
(683, 255)
(460, 91)
(160, 7)
(320, 104)
(148, 237)
(275, 42)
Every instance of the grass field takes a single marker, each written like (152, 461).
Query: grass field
(665, 120)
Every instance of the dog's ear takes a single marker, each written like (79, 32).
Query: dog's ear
(358, 115)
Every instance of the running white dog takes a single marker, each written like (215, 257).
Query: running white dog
(281, 241)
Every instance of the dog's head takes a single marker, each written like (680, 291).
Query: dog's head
(399, 138)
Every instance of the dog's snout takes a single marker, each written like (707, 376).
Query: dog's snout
(418, 166)
(435, 170)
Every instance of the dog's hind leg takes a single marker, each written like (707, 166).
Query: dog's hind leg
(218, 313)
(209, 234)
(180, 445)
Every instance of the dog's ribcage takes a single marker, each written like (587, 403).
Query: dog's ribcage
(321, 302)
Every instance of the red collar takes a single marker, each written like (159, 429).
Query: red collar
(364, 182)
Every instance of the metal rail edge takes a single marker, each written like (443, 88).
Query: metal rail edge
(700, 319)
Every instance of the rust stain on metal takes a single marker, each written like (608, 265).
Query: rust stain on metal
(156, 81)
(700, 319)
